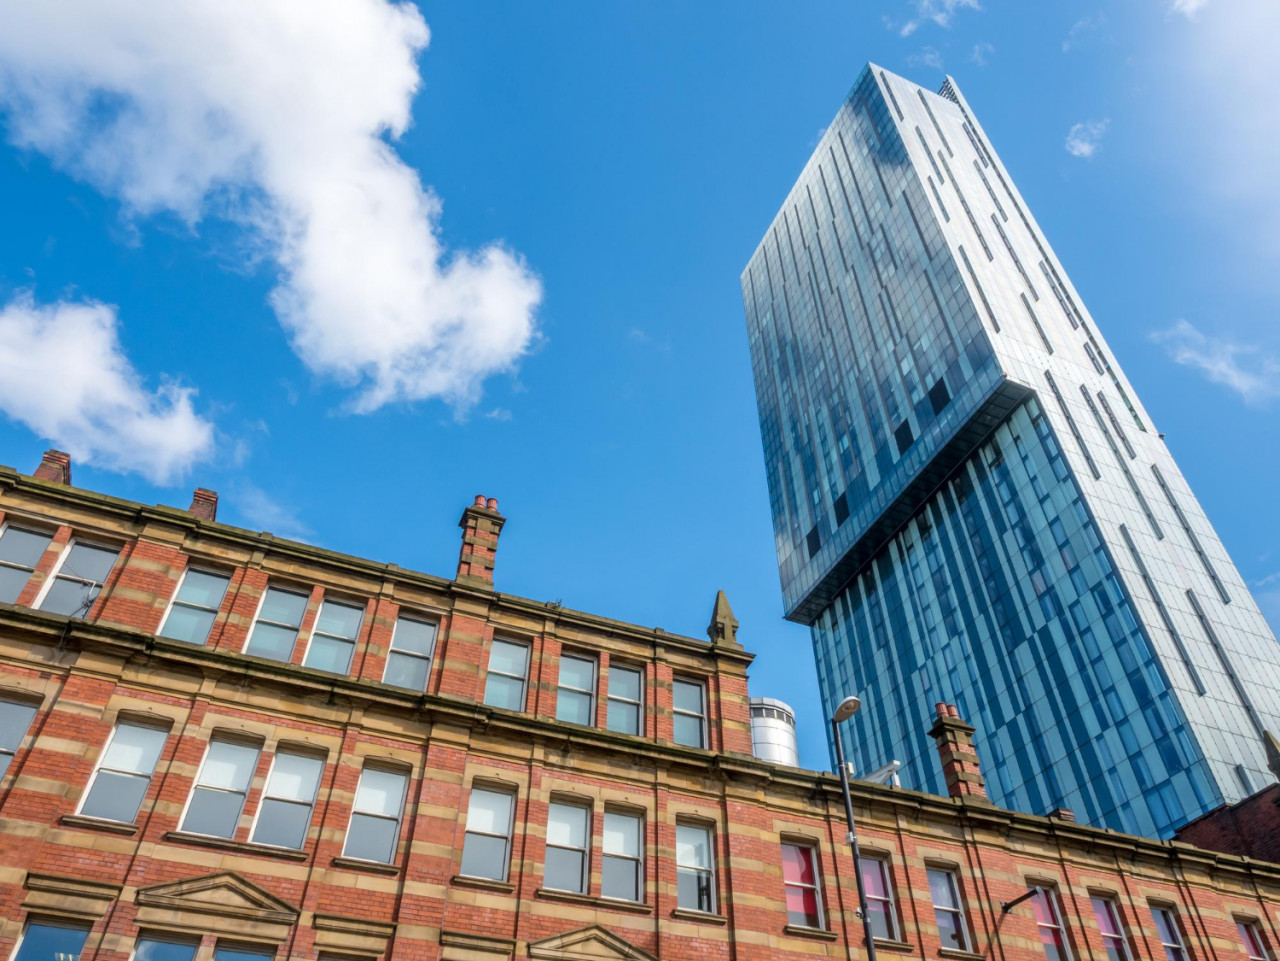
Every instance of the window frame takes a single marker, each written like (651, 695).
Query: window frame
(589, 693)
(513, 798)
(399, 818)
(196, 785)
(1110, 904)
(258, 618)
(810, 851)
(5, 526)
(164, 937)
(636, 862)
(1050, 893)
(47, 921)
(890, 901)
(55, 574)
(155, 724)
(961, 920)
(1177, 950)
(35, 703)
(175, 602)
(316, 632)
(265, 795)
(523, 678)
(1251, 931)
(703, 727)
(429, 657)
(709, 870)
(585, 810)
(638, 703)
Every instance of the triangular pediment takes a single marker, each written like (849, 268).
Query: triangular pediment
(587, 944)
(224, 894)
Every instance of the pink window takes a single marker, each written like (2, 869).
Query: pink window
(800, 878)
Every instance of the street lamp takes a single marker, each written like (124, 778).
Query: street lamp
(845, 710)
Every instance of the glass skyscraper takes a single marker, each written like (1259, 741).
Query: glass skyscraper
(970, 503)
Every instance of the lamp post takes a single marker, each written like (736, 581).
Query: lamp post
(845, 710)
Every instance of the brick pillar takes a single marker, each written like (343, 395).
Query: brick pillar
(55, 466)
(955, 749)
(204, 504)
(481, 524)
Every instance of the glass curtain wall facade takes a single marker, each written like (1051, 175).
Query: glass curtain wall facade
(970, 503)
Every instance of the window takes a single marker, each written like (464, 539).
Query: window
(195, 606)
(1166, 920)
(1049, 922)
(413, 642)
(1104, 910)
(15, 718)
(334, 639)
(218, 795)
(568, 831)
(508, 668)
(689, 700)
(576, 693)
(622, 869)
(800, 881)
(486, 846)
(227, 952)
(624, 705)
(47, 941)
(1252, 939)
(879, 890)
(695, 886)
(151, 948)
(20, 552)
(123, 774)
(276, 627)
(80, 577)
(375, 815)
(947, 911)
(285, 812)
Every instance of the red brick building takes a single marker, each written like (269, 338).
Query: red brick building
(220, 744)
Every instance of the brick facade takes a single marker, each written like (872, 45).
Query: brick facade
(149, 876)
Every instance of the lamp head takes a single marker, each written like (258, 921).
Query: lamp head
(846, 709)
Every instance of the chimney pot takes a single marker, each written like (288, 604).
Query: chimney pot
(204, 504)
(55, 466)
(940, 709)
(492, 503)
(479, 502)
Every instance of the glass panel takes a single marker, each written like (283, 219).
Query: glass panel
(563, 870)
(23, 547)
(229, 765)
(489, 812)
(282, 823)
(329, 654)
(269, 640)
(89, 563)
(688, 730)
(134, 747)
(567, 825)
(295, 777)
(484, 857)
(188, 624)
(285, 607)
(693, 890)
(203, 589)
(950, 930)
(619, 879)
(878, 912)
(1106, 920)
(5, 761)
(12, 581)
(623, 718)
(577, 673)
(71, 598)
(1164, 925)
(342, 620)
(941, 889)
(51, 942)
(621, 834)
(15, 718)
(417, 637)
(873, 878)
(380, 792)
(213, 812)
(573, 707)
(1041, 908)
(371, 838)
(149, 949)
(505, 692)
(625, 683)
(115, 797)
(241, 954)
(687, 696)
(797, 865)
(693, 846)
(508, 658)
(802, 907)
(406, 671)
(1252, 941)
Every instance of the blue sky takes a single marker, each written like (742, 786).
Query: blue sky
(349, 277)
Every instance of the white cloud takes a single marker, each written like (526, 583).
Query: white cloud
(262, 511)
(981, 53)
(277, 115)
(1085, 139)
(64, 375)
(1083, 31)
(938, 12)
(1244, 368)
(1188, 8)
(927, 57)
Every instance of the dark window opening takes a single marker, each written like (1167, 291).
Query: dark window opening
(939, 396)
(815, 540)
(904, 437)
(842, 508)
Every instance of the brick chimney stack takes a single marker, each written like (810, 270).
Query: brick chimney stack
(481, 524)
(955, 749)
(204, 504)
(55, 466)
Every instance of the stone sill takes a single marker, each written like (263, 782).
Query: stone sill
(483, 884)
(684, 914)
(360, 864)
(243, 847)
(885, 944)
(803, 931)
(960, 955)
(98, 824)
(587, 900)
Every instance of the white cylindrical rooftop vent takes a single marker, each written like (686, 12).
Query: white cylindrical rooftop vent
(773, 732)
